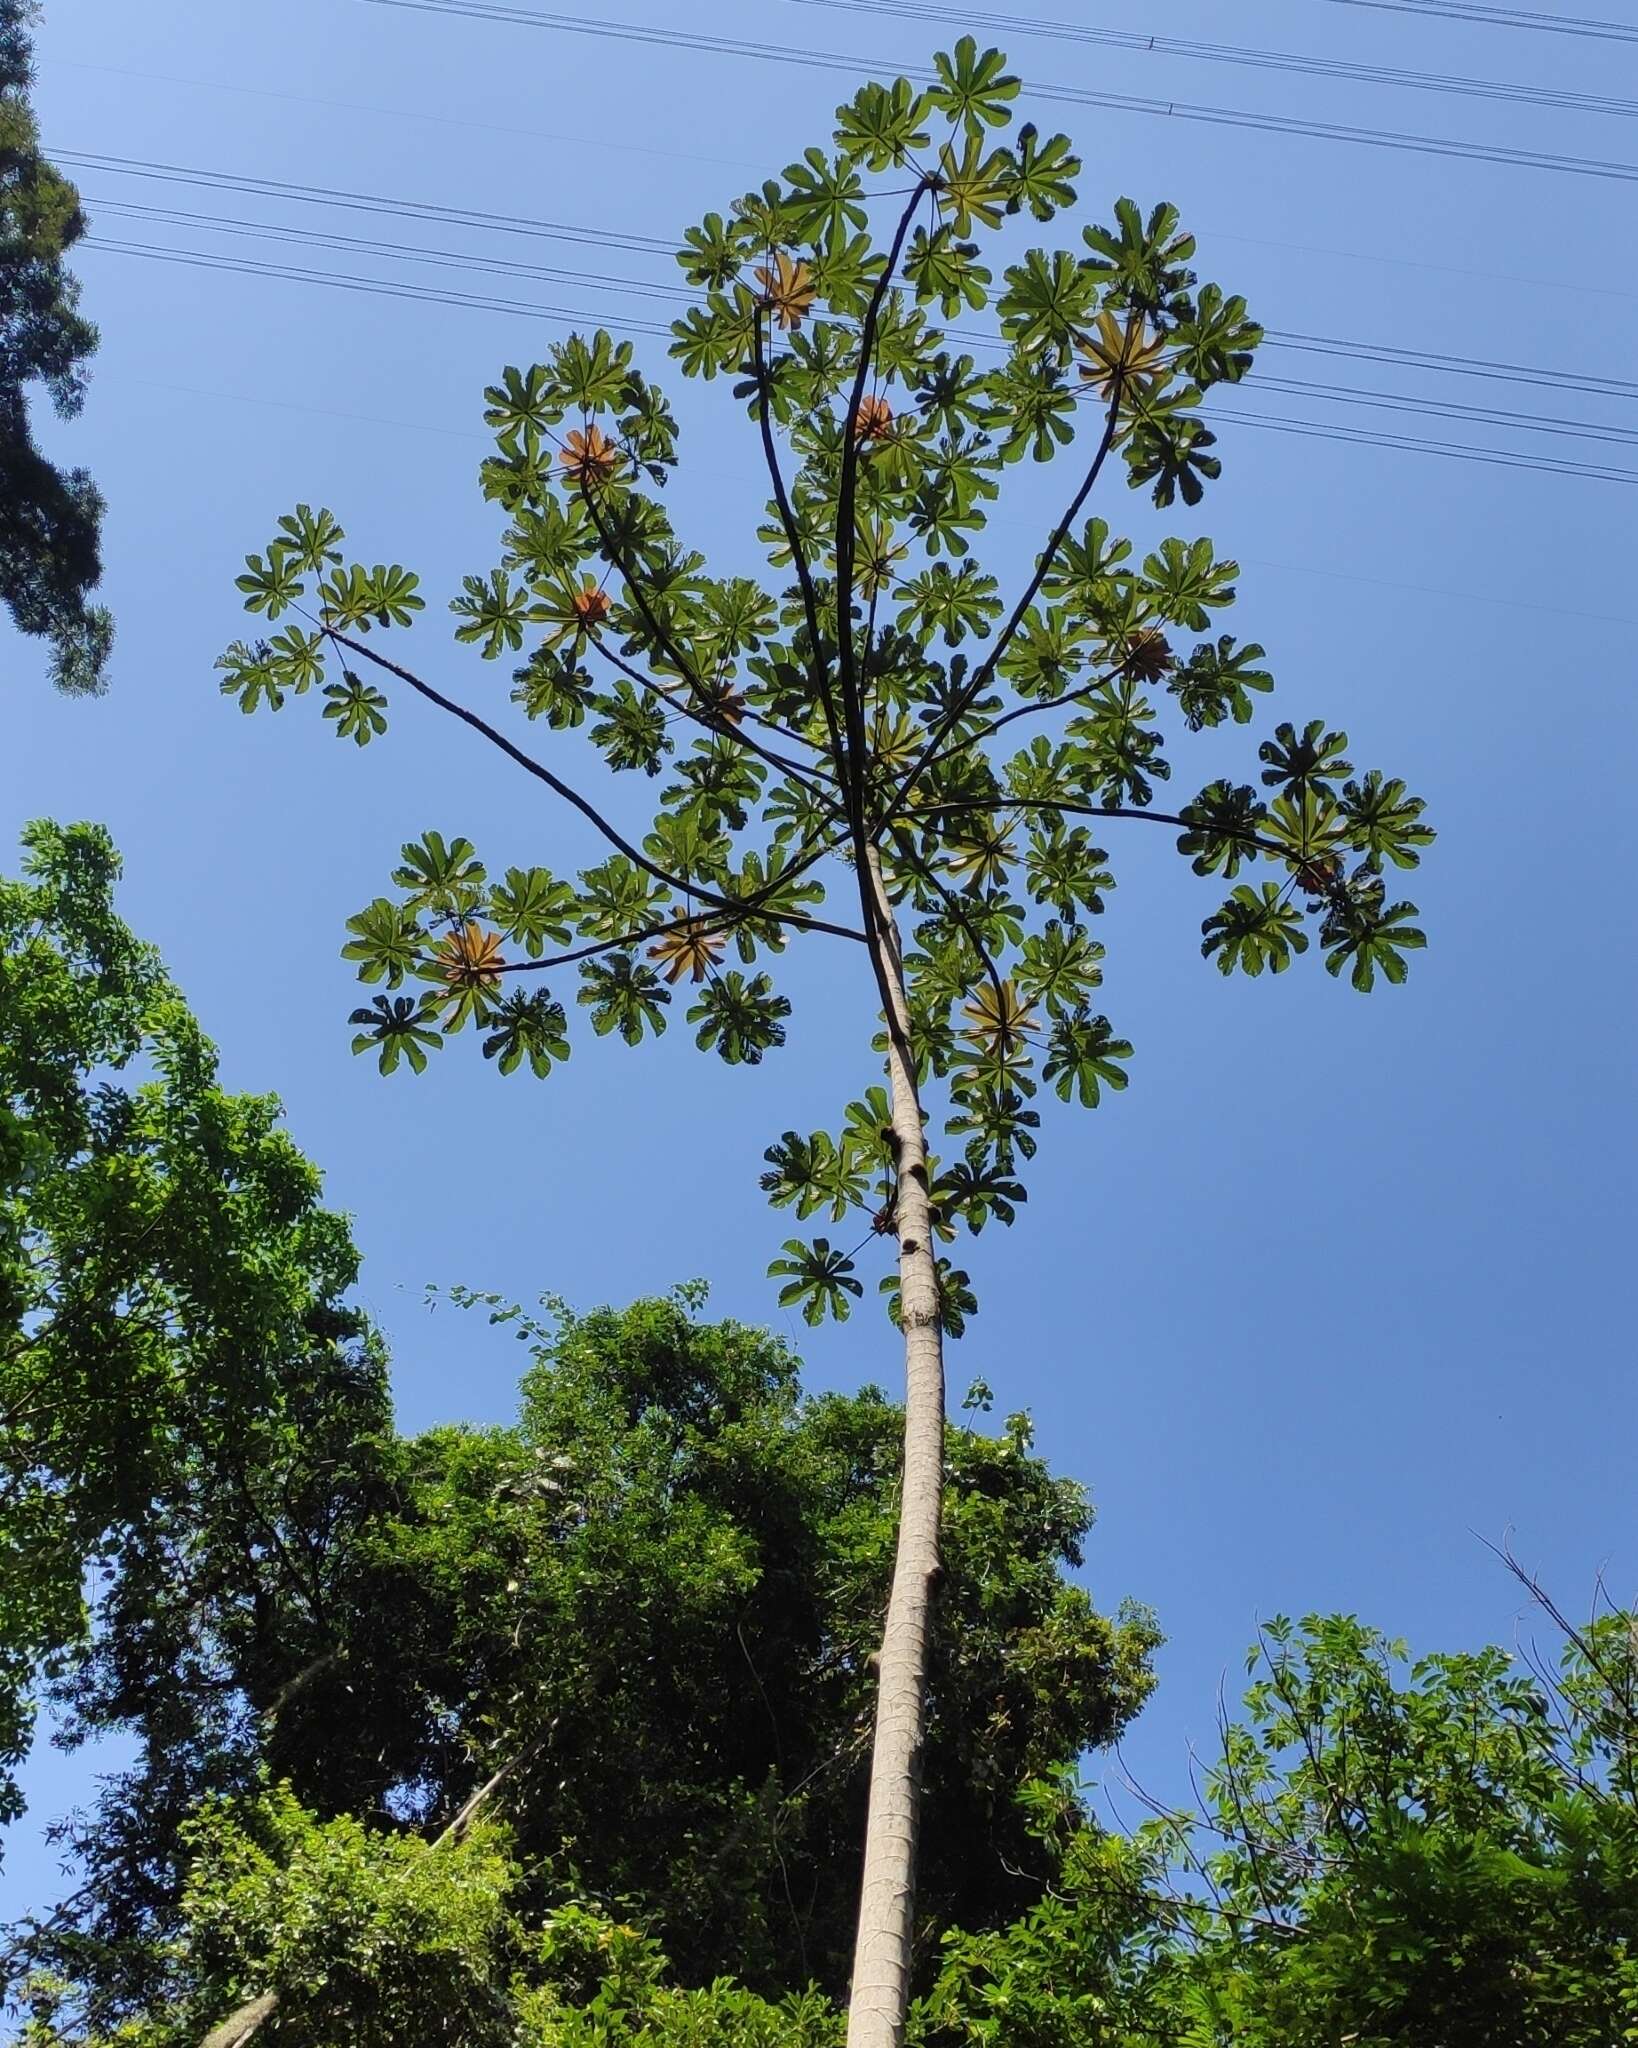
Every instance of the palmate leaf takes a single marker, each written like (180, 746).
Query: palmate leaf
(388, 942)
(311, 538)
(357, 598)
(822, 194)
(443, 876)
(1213, 683)
(740, 1018)
(1224, 823)
(881, 125)
(624, 995)
(973, 187)
(397, 1028)
(1048, 301)
(532, 906)
(1380, 820)
(818, 1278)
(1256, 928)
(1360, 931)
(493, 612)
(1171, 450)
(1310, 760)
(1084, 1057)
(974, 88)
(1140, 263)
(814, 1173)
(271, 586)
(359, 711)
(975, 1189)
(529, 1027)
(1045, 170)
(945, 269)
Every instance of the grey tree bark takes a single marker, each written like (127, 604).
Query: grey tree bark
(883, 1952)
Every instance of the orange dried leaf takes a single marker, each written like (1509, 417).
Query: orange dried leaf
(591, 605)
(470, 957)
(689, 948)
(1148, 655)
(787, 289)
(588, 456)
(1121, 356)
(874, 419)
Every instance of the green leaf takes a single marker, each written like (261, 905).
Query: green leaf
(495, 612)
(397, 1028)
(311, 538)
(1312, 759)
(1224, 823)
(973, 90)
(956, 1299)
(741, 1018)
(881, 125)
(624, 995)
(1379, 819)
(1256, 928)
(359, 711)
(528, 1027)
(388, 942)
(531, 906)
(271, 586)
(818, 1278)
(1083, 1058)
(446, 878)
(1043, 181)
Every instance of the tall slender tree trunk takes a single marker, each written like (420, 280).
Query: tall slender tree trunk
(887, 1902)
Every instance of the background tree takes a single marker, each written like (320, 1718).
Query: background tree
(833, 730)
(171, 1319)
(1391, 1854)
(652, 1604)
(50, 518)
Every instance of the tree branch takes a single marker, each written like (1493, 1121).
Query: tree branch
(573, 797)
(720, 723)
(804, 574)
(986, 670)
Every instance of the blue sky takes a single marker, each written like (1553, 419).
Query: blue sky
(1331, 1297)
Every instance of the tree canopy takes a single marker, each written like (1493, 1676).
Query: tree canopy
(171, 1292)
(50, 518)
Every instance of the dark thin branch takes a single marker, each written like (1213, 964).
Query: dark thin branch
(573, 797)
(876, 916)
(718, 723)
(952, 904)
(1019, 803)
(986, 670)
(804, 573)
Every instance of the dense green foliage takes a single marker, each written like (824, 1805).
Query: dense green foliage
(50, 518)
(655, 1599)
(872, 697)
(1436, 1856)
(170, 1290)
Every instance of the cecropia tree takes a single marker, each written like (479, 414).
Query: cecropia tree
(873, 744)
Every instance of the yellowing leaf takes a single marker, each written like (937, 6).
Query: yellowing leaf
(788, 289)
(690, 948)
(588, 456)
(1121, 357)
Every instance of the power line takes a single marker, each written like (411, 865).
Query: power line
(1222, 117)
(1287, 61)
(1504, 17)
(581, 234)
(378, 287)
(1531, 422)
